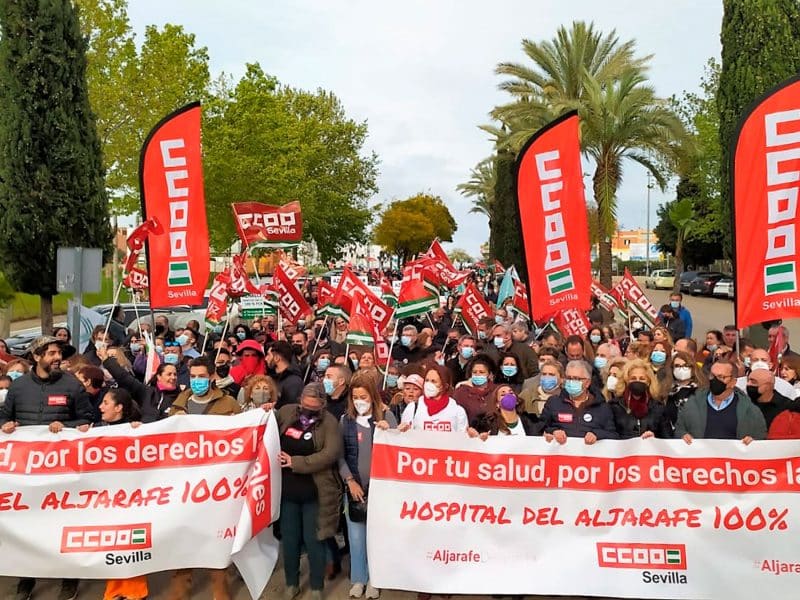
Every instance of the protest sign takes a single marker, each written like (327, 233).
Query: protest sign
(633, 519)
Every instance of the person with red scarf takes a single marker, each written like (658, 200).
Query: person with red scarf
(436, 410)
(250, 361)
(639, 411)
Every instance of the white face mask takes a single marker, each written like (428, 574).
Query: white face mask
(3, 393)
(759, 364)
(611, 383)
(430, 389)
(682, 373)
(362, 406)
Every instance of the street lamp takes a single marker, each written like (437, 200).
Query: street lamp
(647, 233)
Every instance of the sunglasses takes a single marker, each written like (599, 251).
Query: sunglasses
(171, 344)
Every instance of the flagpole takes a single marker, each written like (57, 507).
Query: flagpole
(224, 329)
(316, 347)
(389, 358)
(136, 312)
(113, 304)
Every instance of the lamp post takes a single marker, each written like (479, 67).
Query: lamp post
(647, 233)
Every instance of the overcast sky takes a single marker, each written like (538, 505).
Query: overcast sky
(421, 72)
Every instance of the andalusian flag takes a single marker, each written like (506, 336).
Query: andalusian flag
(415, 299)
(387, 293)
(359, 329)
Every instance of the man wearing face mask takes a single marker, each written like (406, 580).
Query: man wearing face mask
(483, 334)
(760, 359)
(680, 312)
(579, 411)
(173, 355)
(761, 390)
(720, 411)
(300, 349)
(187, 340)
(466, 350)
(202, 398)
(407, 351)
(502, 342)
(336, 383)
(287, 375)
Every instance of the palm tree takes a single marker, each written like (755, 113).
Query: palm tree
(480, 188)
(681, 215)
(621, 118)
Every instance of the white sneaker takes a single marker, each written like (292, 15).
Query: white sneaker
(373, 592)
(357, 590)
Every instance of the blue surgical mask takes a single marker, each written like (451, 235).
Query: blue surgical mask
(498, 319)
(171, 359)
(509, 370)
(548, 382)
(328, 385)
(712, 347)
(14, 375)
(745, 361)
(467, 352)
(675, 304)
(440, 362)
(160, 349)
(658, 357)
(322, 364)
(600, 361)
(217, 329)
(479, 380)
(481, 335)
(182, 339)
(241, 335)
(135, 348)
(199, 385)
(355, 363)
(499, 342)
(405, 340)
(595, 339)
(391, 380)
(574, 388)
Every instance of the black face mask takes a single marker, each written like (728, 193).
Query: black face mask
(223, 370)
(297, 349)
(637, 388)
(752, 391)
(716, 386)
(159, 330)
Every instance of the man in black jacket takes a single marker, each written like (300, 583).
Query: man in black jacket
(46, 396)
(286, 374)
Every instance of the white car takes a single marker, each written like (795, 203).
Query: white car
(661, 279)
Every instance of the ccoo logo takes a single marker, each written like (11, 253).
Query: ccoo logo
(106, 538)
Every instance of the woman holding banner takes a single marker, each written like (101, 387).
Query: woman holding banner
(363, 414)
(436, 410)
(505, 417)
(473, 394)
(639, 411)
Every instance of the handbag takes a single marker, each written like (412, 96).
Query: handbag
(357, 510)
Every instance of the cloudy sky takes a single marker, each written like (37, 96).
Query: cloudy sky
(421, 72)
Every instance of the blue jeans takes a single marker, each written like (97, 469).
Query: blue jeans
(299, 528)
(357, 532)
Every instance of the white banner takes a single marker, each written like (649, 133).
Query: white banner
(631, 519)
(188, 491)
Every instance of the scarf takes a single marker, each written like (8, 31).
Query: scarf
(637, 405)
(436, 405)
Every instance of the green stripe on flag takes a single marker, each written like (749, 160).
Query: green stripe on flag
(179, 273)
(780, 278)
(560, 281)
(138, 536)
(358, 338)
(673, 556)
(416, 307)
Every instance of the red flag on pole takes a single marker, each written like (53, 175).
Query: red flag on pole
(572, 322)
(292, 303)
(269, 226)
(764, 188)
(351, 286)
(499, 269)
(552, 215)
(472, 307)
(171, 177)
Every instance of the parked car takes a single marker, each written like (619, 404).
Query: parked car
(19, 342)
(661, 279)
(731, 289)
(723, 287)
(704, 283)
(686, 279)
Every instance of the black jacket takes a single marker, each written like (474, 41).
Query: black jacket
(290, 386)
(34, 401)
(595, 415)
(488, 423)
(628, 426)
(153, 403)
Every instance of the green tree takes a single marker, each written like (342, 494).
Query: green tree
(458, 256)
(506, 243)
(131, 90)
(681, 215)
(52, 189)
(408, 227)
(760, 48)
(270, 143)
(480, 188)
(621, 118)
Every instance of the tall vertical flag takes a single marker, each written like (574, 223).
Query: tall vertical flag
(765, 180)
(507, 285)
(552, 216)
(171, 181)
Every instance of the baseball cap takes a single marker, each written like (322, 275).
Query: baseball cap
(43, 342)
(415, 380)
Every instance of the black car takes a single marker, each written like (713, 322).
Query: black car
(704, 283)
(686, 279)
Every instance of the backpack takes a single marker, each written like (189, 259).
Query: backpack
(786, 426)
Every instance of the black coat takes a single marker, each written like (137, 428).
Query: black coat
(290, 386)
(594, 416)
(34, 401)
(153, 403)
(488, 423)
(628, 426)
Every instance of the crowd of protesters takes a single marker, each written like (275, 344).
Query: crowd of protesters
(622, 380)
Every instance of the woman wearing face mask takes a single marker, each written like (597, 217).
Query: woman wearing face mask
(311, 444)
(510, 372)
(321, 363)
(260, 392)
(551, 376)
(639, 412)
(364, 413)
(714, 339)
(612, 376)
(154, 397)
(242, 332)
(596, 337)
(250, 356)
(686, 378)
(505, 417)
(392, 380)
(790, 372)
(658, 359)
(473, 394)
(17, 368)
(436, 410)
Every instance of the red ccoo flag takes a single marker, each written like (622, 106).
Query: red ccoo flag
(472, 307)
